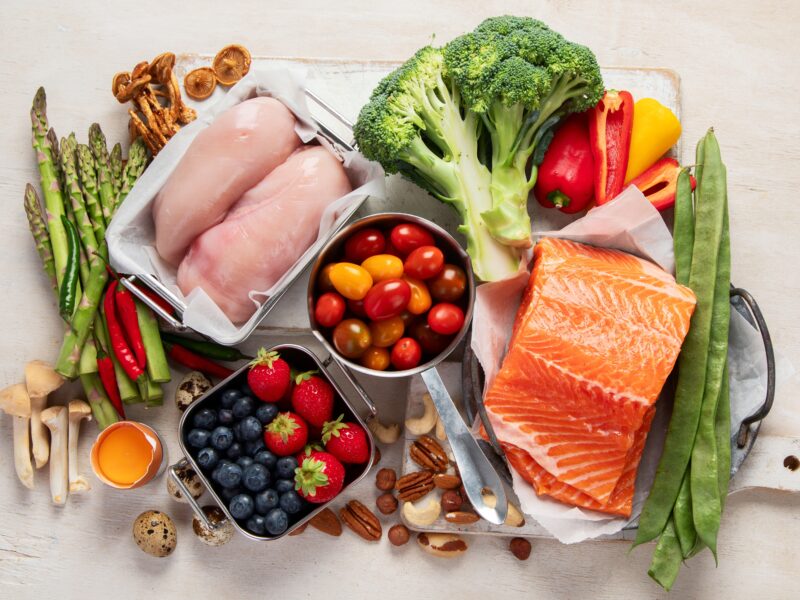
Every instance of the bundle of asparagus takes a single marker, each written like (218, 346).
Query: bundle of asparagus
(83, 186)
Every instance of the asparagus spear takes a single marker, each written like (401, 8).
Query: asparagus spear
(137, 160)
(103, 411)
(33, 209)
(77, 202)
(91, 194)
(105, 181)
(115, 162)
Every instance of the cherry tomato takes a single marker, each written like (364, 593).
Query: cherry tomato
(350, 280)
(432, 343)
(446, 318)
(386, 332)
(420, 297)
(324, 283)
(363, 244)
(449, 285)
(408, 237)
(376, 358)
(390, 249)
(329, 310)
(383, 267)
(352, 338)
(408, 318)
(387, 299)
(406, 354)
(424, 262)
(357, 308)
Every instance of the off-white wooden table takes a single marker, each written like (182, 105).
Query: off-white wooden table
(737, 62)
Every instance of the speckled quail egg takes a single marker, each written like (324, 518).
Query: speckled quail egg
(221, 534)
(193, 385)
(154, 532)
(190, 479)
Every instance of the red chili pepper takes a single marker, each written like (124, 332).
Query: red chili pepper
(163, 304)
(117, 338)
(187, 358)
(105, 368)
(659, 183)
(565, 178)
(610, 127)
(126, 309)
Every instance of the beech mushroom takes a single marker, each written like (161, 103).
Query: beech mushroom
(200, 83)
(57, 421)
(14, 401)
(231, 64)
(41, 380)
(78, 410)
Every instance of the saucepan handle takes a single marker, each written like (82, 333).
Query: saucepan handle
(128, 283)
(173, 473)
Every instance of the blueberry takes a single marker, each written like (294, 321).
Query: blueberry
(266, 458)
(291, 503)
(205, 419)
(244, 461)
(284, 485)
(254, 447)
(256, 524)
(266, 412)
(242, 506)
(285, 467)
(243, 407)
(235, 451)
(228, 397)
(225, 416)
(228, 475)
(222, 438)
(250, 429)
(198, 438)
(266, 501)
(227, 494)
(207, 458)
(256, 477)
(276, 522)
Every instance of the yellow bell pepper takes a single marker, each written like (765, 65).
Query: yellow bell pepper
(656, 129)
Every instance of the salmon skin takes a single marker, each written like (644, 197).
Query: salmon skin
(595, 338)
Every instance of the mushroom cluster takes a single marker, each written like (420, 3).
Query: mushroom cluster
(229, 66)
(155, 93)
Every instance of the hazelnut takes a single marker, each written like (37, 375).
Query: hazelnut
(451, 500)
(385, 479)
(399, 535)
(386, 503)
(520, 548)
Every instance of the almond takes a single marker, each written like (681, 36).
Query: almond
(446, 481)
(327, 522)
(462, 517)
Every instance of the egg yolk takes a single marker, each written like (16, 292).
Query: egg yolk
(125, 455)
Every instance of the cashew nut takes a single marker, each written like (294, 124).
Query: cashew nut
(386, 434)
(514, 517)
(422, 425)
(440, 433)
(422, 513)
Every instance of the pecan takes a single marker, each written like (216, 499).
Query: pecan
(326, 522)
(361, 520)
(446, 481)
(414, 486)
(461, 517)
(428, 454)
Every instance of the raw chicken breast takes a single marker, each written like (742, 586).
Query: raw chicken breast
(265, 232)
(225, 160)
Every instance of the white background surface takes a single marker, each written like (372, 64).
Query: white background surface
(737, 62)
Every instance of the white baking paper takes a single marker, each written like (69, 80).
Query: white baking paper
(131, 236)
(629, 223)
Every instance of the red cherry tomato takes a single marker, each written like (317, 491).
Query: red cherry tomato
(406, 354)
(449, 285)
(363, 244)
(407, 317)
(352, 338)
(376, 358)
(432, 343)
(408, 237)
(329, 310)
(390, 249)
(386, 332)
(324, 283)
(446, 318)
(387, 299)
(357, 308)
(424, 262)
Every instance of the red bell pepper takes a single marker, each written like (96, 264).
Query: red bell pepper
(659, 183)
(566, 173)
(610, 127)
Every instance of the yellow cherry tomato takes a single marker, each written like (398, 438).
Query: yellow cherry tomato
(324, 283)
(351, 281)
(376, 358)
(383, 267)
(420, 296)
(386, 331)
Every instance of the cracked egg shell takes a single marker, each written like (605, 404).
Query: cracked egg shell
(190, 479)
(222, 534)
(154, 532)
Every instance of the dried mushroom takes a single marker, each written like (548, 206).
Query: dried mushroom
(231, 64)
(200, 83)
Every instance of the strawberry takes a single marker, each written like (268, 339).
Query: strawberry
(286, 434)
(346, 441)
(312, 398)
(269, 376)
(307, 450)
(319, 477)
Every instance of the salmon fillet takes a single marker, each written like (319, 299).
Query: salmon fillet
(596, 335)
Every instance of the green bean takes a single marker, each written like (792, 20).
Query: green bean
(683, 230)
(693, 359)
(722, 428)
(682, 516)
(206, 348)
(69, 283)
(667, 558)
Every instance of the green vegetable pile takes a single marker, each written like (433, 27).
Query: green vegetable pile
(470, 121)
(685, 504)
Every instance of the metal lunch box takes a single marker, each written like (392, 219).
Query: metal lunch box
(305, 360)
